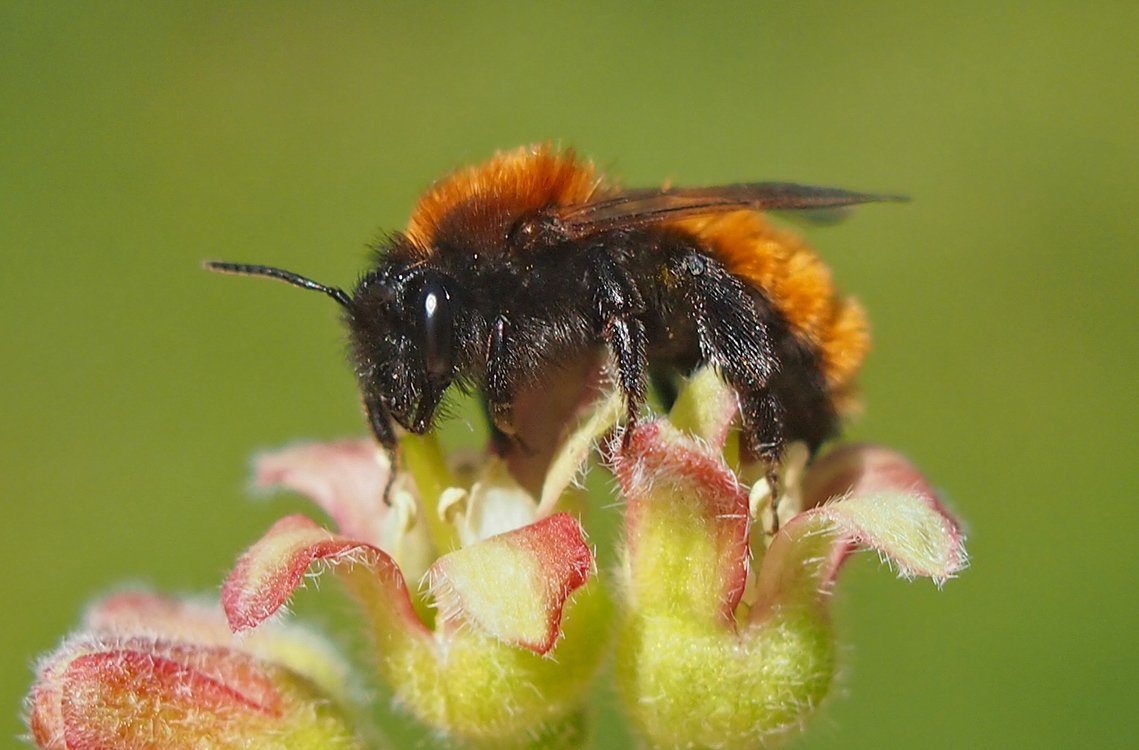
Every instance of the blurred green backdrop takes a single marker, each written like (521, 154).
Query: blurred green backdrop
(138, 140)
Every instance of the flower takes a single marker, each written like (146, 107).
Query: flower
(511, 624)
(486, 614)
(719, 614)
(153, 672)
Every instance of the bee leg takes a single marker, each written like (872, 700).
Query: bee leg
(617, 304)
(503, 435)
(626, 338)
(501, 384)
(733, 324)
(731, 321)
(764, 421)
(381, 424)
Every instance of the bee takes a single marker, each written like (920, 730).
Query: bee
(533, 258)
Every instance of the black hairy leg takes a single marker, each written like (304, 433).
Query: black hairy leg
(764, 414)
(504, 374)
(500, 382)
(736, 330)
(618, 305)
(381, 424)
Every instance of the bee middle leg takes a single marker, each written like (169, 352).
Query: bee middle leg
(617, 305)
(501, 386)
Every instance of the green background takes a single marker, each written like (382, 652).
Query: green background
(139, 139)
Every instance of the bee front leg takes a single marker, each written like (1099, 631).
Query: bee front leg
(381, 423)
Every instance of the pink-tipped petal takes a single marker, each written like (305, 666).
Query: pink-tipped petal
(146, 612)
(861, 469)
(515, 585)
(103, 692)
(269, 571)
(345, 478)
(706, 407)
(147, 693)
(876, 477)
(909, 529)
(686, 522)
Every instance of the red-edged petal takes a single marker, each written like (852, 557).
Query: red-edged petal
(686, 522)
(269, 571)
(891, 512)
(706, 407)
(862, 469)
(150, 693)
(873, 475)
(144, 612)
(515, 585)
(345, 478)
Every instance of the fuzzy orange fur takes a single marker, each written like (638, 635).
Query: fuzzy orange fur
(511, 183)
(798, 284)
(793, 278)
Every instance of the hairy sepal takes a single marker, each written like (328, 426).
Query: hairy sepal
(514, 586)
(147, 692)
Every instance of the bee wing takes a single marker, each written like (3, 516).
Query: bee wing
(638, 208)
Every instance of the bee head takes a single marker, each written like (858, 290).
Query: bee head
(404, 338)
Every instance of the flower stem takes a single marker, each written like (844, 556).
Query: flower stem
(424, 461)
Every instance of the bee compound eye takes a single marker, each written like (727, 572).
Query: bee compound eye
(438, 321)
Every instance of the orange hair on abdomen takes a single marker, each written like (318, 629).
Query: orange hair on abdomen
(798, 284)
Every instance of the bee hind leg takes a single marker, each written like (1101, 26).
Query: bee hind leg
(765, 438)
(735, 327)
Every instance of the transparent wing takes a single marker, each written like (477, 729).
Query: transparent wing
(639, 208)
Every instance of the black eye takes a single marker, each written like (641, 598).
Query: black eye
(438, 327)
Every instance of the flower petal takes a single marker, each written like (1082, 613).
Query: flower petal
(202, 622)
(269, 571)
(345, 478)
(494, 505)
(514, 585)
(144, 612)
(911, 530)
(686, 524)
(706, 407)
(575, 448)
(679, 643)
(148, 693)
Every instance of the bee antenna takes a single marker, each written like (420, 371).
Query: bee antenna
(245, 269)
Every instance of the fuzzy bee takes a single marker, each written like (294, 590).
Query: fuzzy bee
(533, 258)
